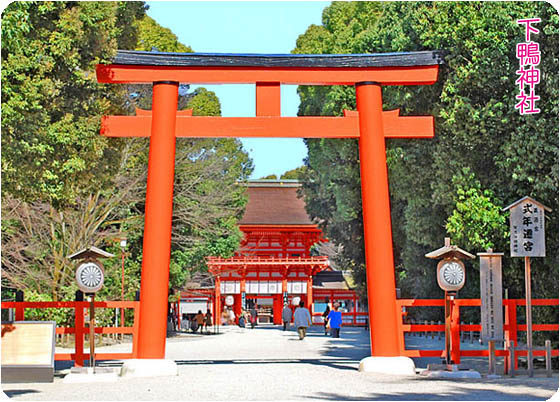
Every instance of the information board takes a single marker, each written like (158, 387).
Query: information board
(28, 351)
(527, 229)
(491, 309)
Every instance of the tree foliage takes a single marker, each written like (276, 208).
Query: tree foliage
(484, 154)
(65, 186)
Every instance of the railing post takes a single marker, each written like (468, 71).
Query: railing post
(432, 332)
(512, 359)
(439, 332)
(79, 334)
(471, 334)
(425, 330)
(20, 315)
(548, 357)
(135, 327)
(400, 330)
(491, 358)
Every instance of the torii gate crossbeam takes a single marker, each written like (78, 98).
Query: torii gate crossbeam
(368, 72)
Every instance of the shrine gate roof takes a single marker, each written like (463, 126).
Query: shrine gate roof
(274, 203)
(401, 59)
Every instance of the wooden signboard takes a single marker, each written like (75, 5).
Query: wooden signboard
(28, 351)
(491, 310)
(527, 228)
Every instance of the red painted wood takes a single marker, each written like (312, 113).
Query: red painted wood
(268, 124)
(413, 75)
(380, 269)
(157, 225)
(267, 98)
(79, 334)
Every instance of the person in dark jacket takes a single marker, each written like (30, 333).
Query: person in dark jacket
(286, 316)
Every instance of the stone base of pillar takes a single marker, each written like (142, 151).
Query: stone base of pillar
(394, 365)
(149, 368)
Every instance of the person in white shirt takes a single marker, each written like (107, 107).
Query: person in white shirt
(302, 320)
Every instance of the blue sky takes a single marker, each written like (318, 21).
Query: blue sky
(246, 27)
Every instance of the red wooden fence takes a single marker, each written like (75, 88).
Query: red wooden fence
(511, 327)
(79, 330)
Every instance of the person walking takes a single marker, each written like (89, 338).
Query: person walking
(208, 320)
(286, 316)
(326, 320)
(302, 320)
(199, 319)
(253, 316)
(335, 321)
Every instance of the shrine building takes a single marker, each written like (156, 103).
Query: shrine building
(274, 263)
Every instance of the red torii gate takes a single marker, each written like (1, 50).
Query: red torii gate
(368, 72)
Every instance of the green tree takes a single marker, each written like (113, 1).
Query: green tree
(66, 187)
(294, 174)
(477, 128)
(51, 101)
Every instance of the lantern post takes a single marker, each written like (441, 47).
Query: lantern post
(451, 276)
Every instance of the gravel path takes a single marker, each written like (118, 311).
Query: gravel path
(269, 364)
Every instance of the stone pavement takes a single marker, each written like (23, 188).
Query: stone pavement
(269, 364)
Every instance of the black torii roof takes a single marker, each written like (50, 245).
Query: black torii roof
(399, 59)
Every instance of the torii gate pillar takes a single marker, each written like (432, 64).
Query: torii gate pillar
(154, 286)
(377, 222)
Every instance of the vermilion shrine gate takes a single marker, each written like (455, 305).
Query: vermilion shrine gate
(274, 263)
(368, 72)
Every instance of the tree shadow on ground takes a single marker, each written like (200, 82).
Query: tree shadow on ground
(458, 394)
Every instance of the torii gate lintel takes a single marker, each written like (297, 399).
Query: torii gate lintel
(370, 124)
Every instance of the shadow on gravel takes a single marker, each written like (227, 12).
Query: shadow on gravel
(459, 394)
(343, 364)
(15, 392)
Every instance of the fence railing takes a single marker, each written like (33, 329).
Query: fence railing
(79, 330)
(511, 328)
(358, 318)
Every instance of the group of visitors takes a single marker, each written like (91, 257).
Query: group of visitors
(248, 317)
(201, 321)
(302, 319)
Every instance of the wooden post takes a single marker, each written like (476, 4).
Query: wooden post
(432, 333)
(92, 332)
(548, 357)
(455, 333)
(217, 303)
(491, 358)
(448, 307)
(512, 359)
(310, 293)
(529, 318)
(79, 334)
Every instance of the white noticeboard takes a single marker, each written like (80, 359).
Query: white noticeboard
(527, 229)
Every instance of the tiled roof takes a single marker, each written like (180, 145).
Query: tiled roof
(275, 204)
(330, 280)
